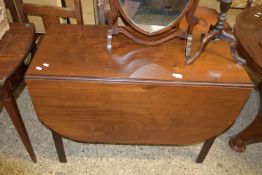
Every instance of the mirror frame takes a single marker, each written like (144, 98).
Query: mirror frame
(133, 32)
(173, 24)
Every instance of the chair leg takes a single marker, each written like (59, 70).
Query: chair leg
(205, 149)
(249, 3)
(11, 107)
(59, 147)
(33, 49)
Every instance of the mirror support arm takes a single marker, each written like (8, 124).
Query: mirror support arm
(192, 21)
(172, 31)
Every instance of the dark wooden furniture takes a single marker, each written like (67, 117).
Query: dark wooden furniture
(137, 94)
(248, 30)
(49, 14)
(18, 14)
(155, 37)
(216, 32)
(14, 48)
(249, 3)
(12, 8)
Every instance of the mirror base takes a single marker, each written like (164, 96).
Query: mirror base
(176, 33)
(144, 37)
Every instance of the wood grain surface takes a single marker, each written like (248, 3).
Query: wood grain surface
(135, 113)
(14, 46)
(248, 31)
(137, 94)
(50, 14)
(88, 58)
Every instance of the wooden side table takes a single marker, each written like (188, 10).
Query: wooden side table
(14, 48)
(137, 94)
(248, 31)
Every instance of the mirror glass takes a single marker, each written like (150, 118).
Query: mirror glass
(153, 15)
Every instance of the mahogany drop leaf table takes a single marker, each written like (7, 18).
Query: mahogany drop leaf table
(137, 94)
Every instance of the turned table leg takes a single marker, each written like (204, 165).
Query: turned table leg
(251, 134)
(205, 149)
(59, 147)
(10, 104)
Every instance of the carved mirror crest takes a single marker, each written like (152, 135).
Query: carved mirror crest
(150, 22)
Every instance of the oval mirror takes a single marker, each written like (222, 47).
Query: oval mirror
(152, 16)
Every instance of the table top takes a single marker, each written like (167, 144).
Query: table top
(14, 47)
(248, 31)
(79, 52)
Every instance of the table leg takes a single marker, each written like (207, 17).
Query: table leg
(10, 104)
(251, 134)
(59, 147)
(33, 48)
(205, 149)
